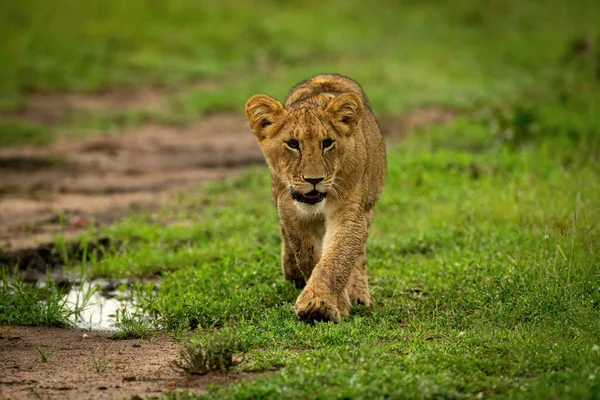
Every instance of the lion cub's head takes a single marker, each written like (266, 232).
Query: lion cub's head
(304, 142)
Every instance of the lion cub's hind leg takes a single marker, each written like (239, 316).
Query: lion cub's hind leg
(358, 287)
(289, 266)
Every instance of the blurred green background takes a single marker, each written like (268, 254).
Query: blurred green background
(405, 53)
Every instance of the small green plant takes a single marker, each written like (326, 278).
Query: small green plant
(212, 354)
(132, 326)
(100, 364)
(44, 353)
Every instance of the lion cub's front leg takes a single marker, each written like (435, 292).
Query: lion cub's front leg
(326, 295)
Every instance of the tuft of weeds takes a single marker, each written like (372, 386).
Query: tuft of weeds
(100, 364)
(214, 353)
(44, 353)
(131, 325)
(27, 304)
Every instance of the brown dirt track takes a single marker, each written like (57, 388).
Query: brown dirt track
(92, 367)
(98, 179)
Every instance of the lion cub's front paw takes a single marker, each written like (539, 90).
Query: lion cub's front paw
(312, 307)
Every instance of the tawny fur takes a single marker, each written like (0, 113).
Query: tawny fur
(323, 244)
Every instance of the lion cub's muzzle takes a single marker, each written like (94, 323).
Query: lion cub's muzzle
(310, 198)
(309, 190)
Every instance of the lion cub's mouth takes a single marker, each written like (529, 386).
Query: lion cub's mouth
(310, 198)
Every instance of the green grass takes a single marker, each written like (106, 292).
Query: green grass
(406, 53)
(18, 133)
(484, 267)
(131, 326)
(44, 353)
(24, 304)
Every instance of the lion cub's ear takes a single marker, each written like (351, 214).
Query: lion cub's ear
(345, 112)
(262, 111)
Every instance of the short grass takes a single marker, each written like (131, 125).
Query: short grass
(484, 268)
(405, 53)
(17, 133)
(24, 304)
(131, 326)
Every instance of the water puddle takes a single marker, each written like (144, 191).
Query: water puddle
(102, 300)
(95, 303)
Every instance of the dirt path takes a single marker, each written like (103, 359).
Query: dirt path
(90, 365)
(100, 178)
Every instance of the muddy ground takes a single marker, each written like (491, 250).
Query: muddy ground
(94, 181)
(90, 365)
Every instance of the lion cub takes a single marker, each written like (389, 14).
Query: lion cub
(327, 161)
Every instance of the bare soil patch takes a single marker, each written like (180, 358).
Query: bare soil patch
(90, 365)
(394, 127)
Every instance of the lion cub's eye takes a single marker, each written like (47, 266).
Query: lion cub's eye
(327, 143)
(293, 144)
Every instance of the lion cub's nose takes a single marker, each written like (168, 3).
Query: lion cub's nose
(314, 181)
